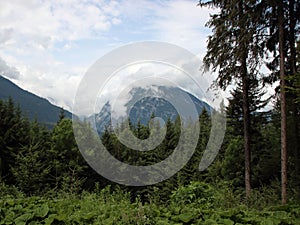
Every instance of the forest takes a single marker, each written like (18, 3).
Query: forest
(255, 178)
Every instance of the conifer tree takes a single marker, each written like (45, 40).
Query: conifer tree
(14, 130)
(32, 168)
(234, 52)
(282, 23)
(66, 159)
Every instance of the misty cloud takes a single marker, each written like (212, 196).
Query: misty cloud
(5, 35)
(7, 71)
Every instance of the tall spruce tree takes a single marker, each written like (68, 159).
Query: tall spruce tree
(232, 168)
(282, 23)
(234, 51)
(283, 102)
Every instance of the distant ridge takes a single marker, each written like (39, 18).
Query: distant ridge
(32, 106)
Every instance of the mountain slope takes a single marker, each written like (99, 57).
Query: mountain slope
(141, 108)
(31, 105)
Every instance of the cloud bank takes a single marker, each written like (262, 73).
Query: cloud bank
(50, 44)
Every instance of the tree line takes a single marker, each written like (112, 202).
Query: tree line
(39, 161)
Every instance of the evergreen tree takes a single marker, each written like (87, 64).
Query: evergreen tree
(61, 115)
(66, 159)
(193, 173)
(280, 19)
(14, 132)
(234, 51)
(233, 144)
(32, 168)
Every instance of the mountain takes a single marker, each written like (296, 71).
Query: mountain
(31, 105)
(140, 108)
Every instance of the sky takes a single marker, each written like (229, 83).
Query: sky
(47, 46)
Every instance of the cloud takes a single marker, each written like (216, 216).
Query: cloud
(52, 42)
(34, 35)
(179, 22)
(58, 84)
(145, 74)
(40, 24)
(5, 35)
(8, 71)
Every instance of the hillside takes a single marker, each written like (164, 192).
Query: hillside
(31, 105)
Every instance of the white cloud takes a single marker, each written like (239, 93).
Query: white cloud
(40, 24)
(42, 38)
(29, 34)
(146, 74)
(58, 88)
(179, 22)
(8, 71)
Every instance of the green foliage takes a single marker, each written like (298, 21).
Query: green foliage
(98, 208)
(49, 164)
(31, 170)
(40, 161)
(114, 207)
(195, 192)
(13, 135)
(66, 160)
(232, 168)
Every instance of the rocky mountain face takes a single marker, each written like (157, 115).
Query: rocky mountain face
(160, 101)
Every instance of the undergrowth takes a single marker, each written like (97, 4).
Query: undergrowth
(197, 203)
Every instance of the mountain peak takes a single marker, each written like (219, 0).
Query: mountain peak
(143, 102)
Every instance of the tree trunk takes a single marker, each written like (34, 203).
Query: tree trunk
(291, 36)
(243, 45)
(283, 105)
(246, 123)
(292, 62)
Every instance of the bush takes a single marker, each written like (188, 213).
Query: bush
(195, 192)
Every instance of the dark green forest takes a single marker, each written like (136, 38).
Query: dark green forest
(255, 178)
(43, 169)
